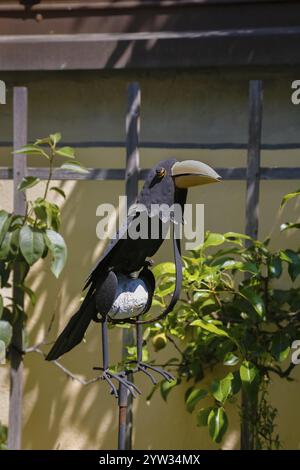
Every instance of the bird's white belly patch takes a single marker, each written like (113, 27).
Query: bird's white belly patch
(131, 298)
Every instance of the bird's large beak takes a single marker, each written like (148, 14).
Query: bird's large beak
(193, 173)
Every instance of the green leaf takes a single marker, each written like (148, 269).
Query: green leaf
(28, 182)
(5, 246)
(289, 226)
(289, 196)
(248, 372)
(230, 359)
(67, 152)
(163, 269)
(14, 241)
(57, 246)
(1, 305)
(74, 166)
(59, 191)
(236, 382)
(5, 220)
(32, 150)
(221, 389)
(31, 244)
(17, 221)
(294, 264)
(155, 303)
(5, 332)
(202, 416)
(2, 353)
(193, 398)
(43, 141)
(240, 266)
(55, 138)
(30, 293)
(275, 267)
(280, 346)
(233, 236)
(5, 271)
(217, 424)
(210, 327)
(284, 257)
(213, 239)
(165, 289)
(166, 387)
(255, 300)
(48, 213)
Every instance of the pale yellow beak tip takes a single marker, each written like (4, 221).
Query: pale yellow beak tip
(193, 173)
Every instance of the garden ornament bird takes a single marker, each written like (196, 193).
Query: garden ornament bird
(121, 285)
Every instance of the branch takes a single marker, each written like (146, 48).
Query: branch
(281, 373)
(67, 372)
(174, 344)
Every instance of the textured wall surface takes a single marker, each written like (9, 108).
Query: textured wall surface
(203, 107)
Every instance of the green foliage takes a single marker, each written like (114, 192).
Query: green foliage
(5, 339)
(217, 424)
(289, 196)
(3, 437)
(57, 246)
(193, 397)
(231, 313)
(27, 239)
(286, 198)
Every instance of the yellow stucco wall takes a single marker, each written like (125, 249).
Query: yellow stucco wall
(181, 107)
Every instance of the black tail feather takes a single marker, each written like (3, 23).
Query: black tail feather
(75, 329)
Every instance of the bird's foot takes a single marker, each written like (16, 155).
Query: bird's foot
(120, 377)
(143, 367)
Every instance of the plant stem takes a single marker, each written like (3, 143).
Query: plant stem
(50, 172)
(248, 421)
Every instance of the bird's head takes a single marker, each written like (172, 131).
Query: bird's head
(193, 173)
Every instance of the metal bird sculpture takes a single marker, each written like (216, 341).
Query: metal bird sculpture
(121, 286)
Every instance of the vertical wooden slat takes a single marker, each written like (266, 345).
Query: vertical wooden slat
(248, 407)
(131, 189)
(132, 142)
(16, 374)
(253, 160)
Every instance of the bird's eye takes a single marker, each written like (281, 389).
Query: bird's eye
(161, 172)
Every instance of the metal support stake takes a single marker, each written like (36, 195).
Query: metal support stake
(123, 399)
(131, 185)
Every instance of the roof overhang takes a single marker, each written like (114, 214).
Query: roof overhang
(62, 35)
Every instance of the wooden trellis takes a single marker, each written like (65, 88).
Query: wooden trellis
(131, 174)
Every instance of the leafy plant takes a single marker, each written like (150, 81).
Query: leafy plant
(232, 313)
(26, 239)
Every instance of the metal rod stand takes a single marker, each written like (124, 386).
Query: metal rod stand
(122, 402)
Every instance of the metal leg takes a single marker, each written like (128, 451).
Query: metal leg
(108, 376)
(140, 365)
(139, 342)
(105, 350)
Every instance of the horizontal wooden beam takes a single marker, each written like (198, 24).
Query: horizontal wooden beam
(160, 49)
(172, 145)
(87, 6)
(118, 174)
(97, 38)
